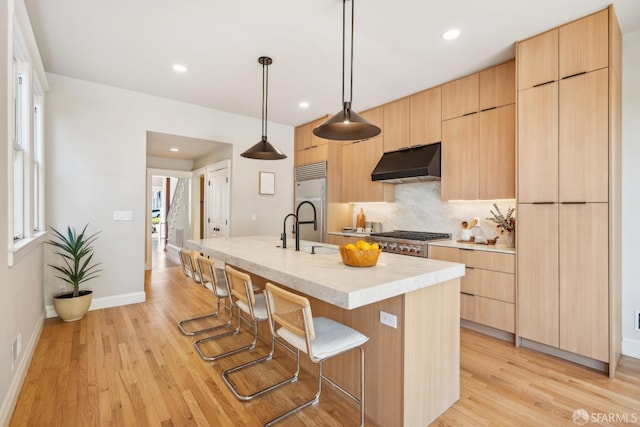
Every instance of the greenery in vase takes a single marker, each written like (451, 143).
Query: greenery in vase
(504, 222)
(76, 251)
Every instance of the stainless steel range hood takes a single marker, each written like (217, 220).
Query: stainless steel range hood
(415, 164)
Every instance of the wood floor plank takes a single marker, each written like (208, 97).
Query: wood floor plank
(130, 365)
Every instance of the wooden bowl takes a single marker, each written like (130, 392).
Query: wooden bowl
(359, 257)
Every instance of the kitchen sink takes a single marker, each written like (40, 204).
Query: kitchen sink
(319, 249)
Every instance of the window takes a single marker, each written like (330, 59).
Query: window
(38, 167)
(19, 145)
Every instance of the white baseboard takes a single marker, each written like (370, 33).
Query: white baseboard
(107, 302)
(9, 404)
(631, 348)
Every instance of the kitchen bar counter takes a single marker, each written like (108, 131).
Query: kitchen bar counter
(323, 275)
(412, 369)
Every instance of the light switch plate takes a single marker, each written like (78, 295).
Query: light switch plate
(123, 215)
(388, 319)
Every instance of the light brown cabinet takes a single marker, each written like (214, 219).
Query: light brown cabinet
(310, 155)
(426, 117)
(538, 60)
(358, 160)
(497, 153)
(538, 144)
(487, 291)
(569, 190)
(396, 124)
(584, 44)
(584, 138)
(498, 86)
(461, 97)
(304, 137)
(460, 158)
(478, 155)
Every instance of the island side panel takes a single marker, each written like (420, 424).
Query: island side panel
(431, 352)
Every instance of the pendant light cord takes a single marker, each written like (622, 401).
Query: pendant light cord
(265, 96)
(344, 45)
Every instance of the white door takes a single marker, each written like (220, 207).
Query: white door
(217, 203)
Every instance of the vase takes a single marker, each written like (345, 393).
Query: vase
(508, 239)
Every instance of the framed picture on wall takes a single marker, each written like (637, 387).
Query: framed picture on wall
(267, 182)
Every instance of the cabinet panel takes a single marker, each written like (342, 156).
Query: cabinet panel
(584, 44)
(497, 314)
(584, 280)
(460, 97)
(538, 144)
(498, 85)
(538, 274)
(467, 307)
(468, 281)
(486, 260)
(538, 60)
(443, 253)
(495, 285)
(460, 158)
(304, 137)
(584, 138)
(497, 152)
(311, 155)
(426, 117)
(358, 160)
(397, 120)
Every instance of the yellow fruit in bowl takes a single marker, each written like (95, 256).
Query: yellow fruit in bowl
(350, 247)
(374, 247)
(361, 244)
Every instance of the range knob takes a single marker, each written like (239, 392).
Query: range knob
(382, 245)
(417, 249)
(393, 246)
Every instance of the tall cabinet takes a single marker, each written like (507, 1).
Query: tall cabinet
(568, 190)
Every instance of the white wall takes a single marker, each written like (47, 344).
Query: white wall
(630, 191)
(96, 163)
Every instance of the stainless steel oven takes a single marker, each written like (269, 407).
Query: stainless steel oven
(405, 242)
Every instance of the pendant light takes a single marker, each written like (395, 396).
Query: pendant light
(263, 150)
(347, 124)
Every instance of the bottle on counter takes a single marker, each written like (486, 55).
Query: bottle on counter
(360, 220)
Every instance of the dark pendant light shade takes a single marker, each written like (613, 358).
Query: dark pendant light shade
(263, 150)
(347, 124)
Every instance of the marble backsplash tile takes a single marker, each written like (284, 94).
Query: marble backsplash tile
(418, 207)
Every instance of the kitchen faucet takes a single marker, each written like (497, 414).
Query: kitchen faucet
(298, 222)
(283, 236)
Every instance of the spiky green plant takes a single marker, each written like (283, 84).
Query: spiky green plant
(76, 251)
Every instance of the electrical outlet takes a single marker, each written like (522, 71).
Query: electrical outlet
(388, 319)
(636, 321)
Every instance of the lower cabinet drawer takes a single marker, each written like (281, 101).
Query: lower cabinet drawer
(497, 314)
(466, 306)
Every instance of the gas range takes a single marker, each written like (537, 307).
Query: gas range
(405, 242)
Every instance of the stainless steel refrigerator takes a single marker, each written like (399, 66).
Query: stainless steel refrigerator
(311, 186)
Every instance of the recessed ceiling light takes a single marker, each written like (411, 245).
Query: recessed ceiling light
(175, 150)
(179, 68)
(303, 104)
(451, 34)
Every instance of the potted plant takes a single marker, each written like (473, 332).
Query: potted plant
(76, 251)
(506, 224)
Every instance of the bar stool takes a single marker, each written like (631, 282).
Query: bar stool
(290, 319)
(241, 296)
(216, 276)
(188, 263)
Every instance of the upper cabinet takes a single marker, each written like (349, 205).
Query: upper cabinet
(460, 97)
(358, 160)
(498, 86)
(538, 60)
(478, 135)
(584, 44)
(304, 137)
(425, 117)
(396, 124)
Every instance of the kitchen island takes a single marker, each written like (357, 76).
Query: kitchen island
(413, 369)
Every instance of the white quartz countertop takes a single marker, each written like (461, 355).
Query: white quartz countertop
(349, 233)
(323, 275)
(476, 247)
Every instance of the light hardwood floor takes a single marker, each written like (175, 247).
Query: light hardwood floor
(130, 366)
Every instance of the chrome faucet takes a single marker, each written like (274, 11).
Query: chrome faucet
(298, 222)
(283, 236)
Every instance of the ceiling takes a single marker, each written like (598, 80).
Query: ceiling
(160, 145)
(398, 49)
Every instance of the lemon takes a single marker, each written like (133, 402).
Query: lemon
(350, 247)
(360, 244)
(374, 246)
